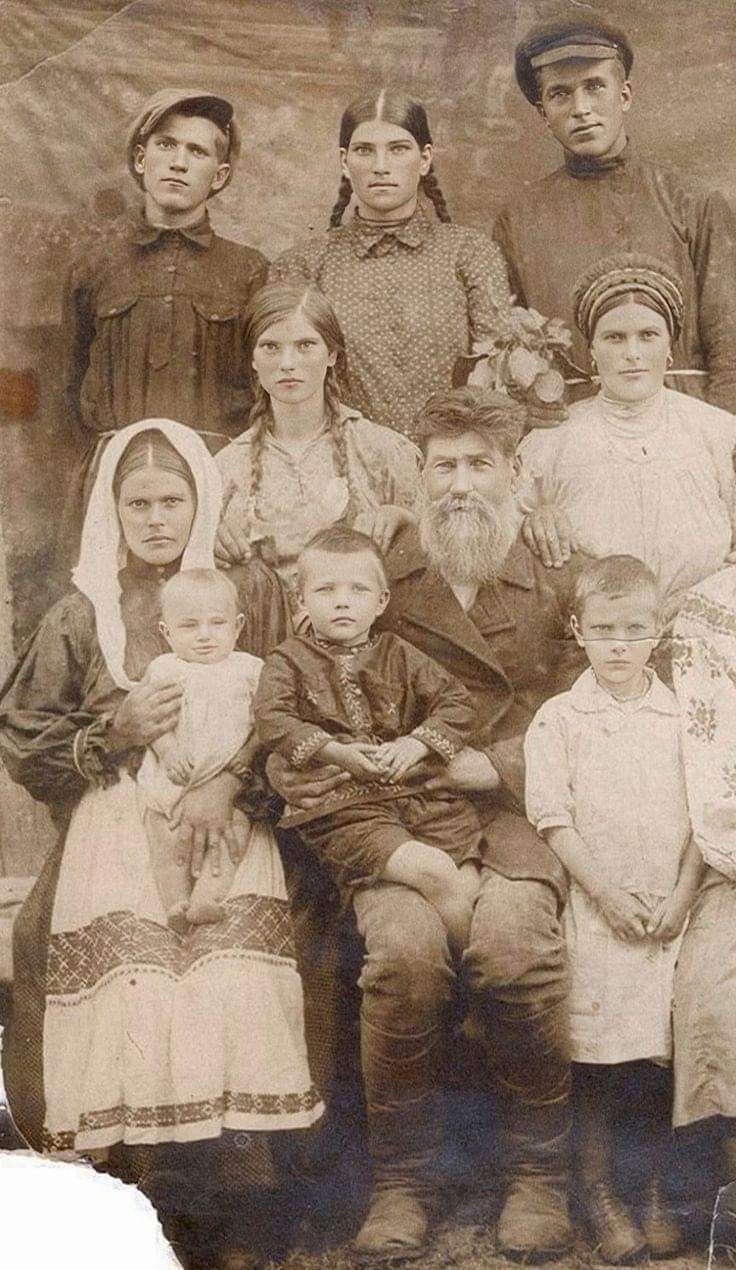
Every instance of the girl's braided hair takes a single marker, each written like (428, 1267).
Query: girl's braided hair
(272, 304)
(405, 112)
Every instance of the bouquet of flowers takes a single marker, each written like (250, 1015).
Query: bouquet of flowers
(523, 360)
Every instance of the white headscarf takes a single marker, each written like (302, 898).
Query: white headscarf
(103, 549)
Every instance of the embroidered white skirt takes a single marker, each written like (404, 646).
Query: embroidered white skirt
(150, 1036)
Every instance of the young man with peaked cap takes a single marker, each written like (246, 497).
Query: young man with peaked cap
(606, 198)
(153, 313)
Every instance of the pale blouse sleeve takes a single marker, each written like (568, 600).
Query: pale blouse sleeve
(719, 435)
(400, 469)
(704, 674)
(482, 271)
(234, 464)
(537, 455)
(548, 791)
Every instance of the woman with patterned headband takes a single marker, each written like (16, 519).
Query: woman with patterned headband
(639, 469)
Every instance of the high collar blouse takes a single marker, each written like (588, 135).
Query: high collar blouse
(659, 485)
(410, 298)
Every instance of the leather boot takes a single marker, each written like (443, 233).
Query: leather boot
(660, 1226)
(401, 1073)
(535, 1221)
(404, 1142)
(618, 1239)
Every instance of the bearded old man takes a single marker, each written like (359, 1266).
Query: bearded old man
(467, 591)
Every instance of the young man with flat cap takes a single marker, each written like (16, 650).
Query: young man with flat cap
(153, 313)
(606, 199)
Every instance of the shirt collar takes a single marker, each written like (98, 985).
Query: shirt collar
(587, 696)
(583, 165)
(341, 649)
(369, 239)
(144, 234)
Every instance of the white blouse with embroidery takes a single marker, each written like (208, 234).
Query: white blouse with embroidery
(704, 673)
(299, 496)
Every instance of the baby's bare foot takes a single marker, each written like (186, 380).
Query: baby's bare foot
(205, 912)
(178, 917)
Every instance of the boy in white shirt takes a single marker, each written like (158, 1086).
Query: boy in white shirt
(605, 787)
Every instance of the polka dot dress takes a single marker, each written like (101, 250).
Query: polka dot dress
(410, 299)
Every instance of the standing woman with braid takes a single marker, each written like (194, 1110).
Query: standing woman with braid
(412, 291)
(306, 461)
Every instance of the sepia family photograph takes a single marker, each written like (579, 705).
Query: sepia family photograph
(368, 635)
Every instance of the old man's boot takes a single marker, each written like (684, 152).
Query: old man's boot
(404, 1143)
(534, 1224)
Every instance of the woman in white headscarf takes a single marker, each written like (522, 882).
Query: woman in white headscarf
(126, 1038)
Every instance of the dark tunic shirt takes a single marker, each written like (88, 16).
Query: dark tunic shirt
(153, 327)
(563, 224)
(311, 692)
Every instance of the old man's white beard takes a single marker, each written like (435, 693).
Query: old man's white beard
(466, 538)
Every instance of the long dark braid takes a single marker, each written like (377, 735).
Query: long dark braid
(259, 421)
(344, 195)
(403, 111)
(430, 185)
(338, 437)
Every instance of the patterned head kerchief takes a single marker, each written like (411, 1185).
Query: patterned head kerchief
(609, 281)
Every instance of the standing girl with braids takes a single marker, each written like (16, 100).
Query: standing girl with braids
(306, 461)
(412, 291)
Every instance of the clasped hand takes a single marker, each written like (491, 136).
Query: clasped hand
(632, 919)
(388, 761)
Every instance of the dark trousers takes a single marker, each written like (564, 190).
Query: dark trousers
(514, 973)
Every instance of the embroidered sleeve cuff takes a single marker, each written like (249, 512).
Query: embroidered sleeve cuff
(307, 746)
(443, 741)
(91, 755)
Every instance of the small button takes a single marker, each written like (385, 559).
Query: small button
(215, 317)
(168, 299)
(595, 1007)
(171, 268)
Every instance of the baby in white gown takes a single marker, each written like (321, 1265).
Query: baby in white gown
(201, 623)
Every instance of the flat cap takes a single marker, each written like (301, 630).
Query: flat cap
(209, 105)
(562, 40)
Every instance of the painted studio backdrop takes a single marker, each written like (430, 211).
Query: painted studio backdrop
(71, 74)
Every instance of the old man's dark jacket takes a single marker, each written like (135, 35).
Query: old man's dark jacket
(512, 651)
